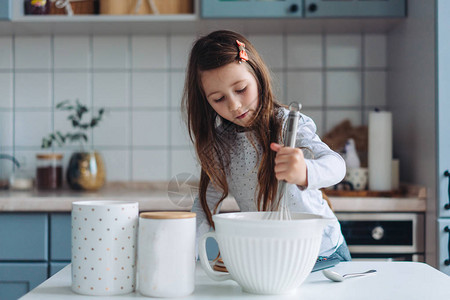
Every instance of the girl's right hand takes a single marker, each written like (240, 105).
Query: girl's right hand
(290, 165)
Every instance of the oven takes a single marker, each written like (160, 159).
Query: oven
(384, 236)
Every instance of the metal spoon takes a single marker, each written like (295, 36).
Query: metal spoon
(338, 277)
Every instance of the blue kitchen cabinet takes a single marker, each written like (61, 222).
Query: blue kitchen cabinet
(17, 279)
(60, 241)
(60, 237)
(251, 9)
(355, 8)
(303, 8)
(55, 267)
(5, 9)
(23, 252)
(23, 237)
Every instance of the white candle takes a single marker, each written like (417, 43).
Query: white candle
(380, 151)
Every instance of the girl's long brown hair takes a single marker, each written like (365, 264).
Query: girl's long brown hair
(215, 50)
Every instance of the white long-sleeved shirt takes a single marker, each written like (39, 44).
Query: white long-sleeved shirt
(324, 168)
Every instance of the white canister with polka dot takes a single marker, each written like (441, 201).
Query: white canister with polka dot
(104, 236)
(166, 254)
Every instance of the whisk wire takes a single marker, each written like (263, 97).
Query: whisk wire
(280, 208)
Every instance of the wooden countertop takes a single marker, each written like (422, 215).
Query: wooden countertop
(159, 196)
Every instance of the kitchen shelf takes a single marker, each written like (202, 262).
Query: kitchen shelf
(21, 24)
(187, 24)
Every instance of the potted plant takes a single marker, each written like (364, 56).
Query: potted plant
(86, 170)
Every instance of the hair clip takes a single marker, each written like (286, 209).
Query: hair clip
(242, 52)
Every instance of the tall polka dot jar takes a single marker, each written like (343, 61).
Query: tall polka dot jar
(166, 254)
(104, 236)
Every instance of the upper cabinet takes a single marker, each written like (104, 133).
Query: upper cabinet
(5, 10)
(250, 16)
(302, 8)
(252, 9)
(355, 8)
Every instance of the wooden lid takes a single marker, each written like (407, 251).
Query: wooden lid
(167, 215)
(49, 156)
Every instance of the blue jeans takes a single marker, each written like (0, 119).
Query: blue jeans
(342, 253)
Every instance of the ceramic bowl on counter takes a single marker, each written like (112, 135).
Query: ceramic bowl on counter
(265, 256)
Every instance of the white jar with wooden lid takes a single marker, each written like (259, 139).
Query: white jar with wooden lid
(166, 254)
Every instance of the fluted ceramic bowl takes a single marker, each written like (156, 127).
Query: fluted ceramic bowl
(265, 256)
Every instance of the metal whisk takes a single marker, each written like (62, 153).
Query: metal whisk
(281, 203)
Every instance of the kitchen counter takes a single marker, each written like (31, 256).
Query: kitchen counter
(156, 196)
(394, 280)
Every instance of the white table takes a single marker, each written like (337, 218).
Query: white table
(394, 280)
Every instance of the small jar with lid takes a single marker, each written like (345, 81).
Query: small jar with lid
(49, 171)
(166, 251)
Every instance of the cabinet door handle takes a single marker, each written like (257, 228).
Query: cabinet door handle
(447, 174)
(447, 261)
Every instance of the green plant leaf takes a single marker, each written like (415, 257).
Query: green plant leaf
(75, 118)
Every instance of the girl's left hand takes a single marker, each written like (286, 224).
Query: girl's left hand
(290, 165)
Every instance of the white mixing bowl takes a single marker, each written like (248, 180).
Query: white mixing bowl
(265, 256)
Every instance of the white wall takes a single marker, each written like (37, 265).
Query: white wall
(139, 80)
(411, 97)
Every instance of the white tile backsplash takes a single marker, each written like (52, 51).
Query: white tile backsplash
(33, 90)
(304, 51)
(180, 46)
(150, 89)
(110, 52)
(113, 129)
(72, 86)
(150, 165)
(72, 52)
(150, 128)
(111, 89)
(317, 117)
(270, 47)
(375, 88)
(6, 129)
(176, 88)
(305, 87)
(6, 53)
(6, 166)
(6, 90)
(375, 47)
(343, 88)
(31, 127)
(33, 52)
(343, 51)
(149, 52)
(139, 79)
(184, 161)
(278, 85)
(27, 160)
(335, 117)
(117, 164)
(179, 133)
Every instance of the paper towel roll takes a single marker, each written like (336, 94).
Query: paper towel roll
(380, 151)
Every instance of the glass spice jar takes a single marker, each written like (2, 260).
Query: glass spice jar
(49, 172)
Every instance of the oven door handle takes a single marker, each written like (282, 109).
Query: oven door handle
(447, 261)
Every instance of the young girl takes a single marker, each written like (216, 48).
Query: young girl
(236, 126)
